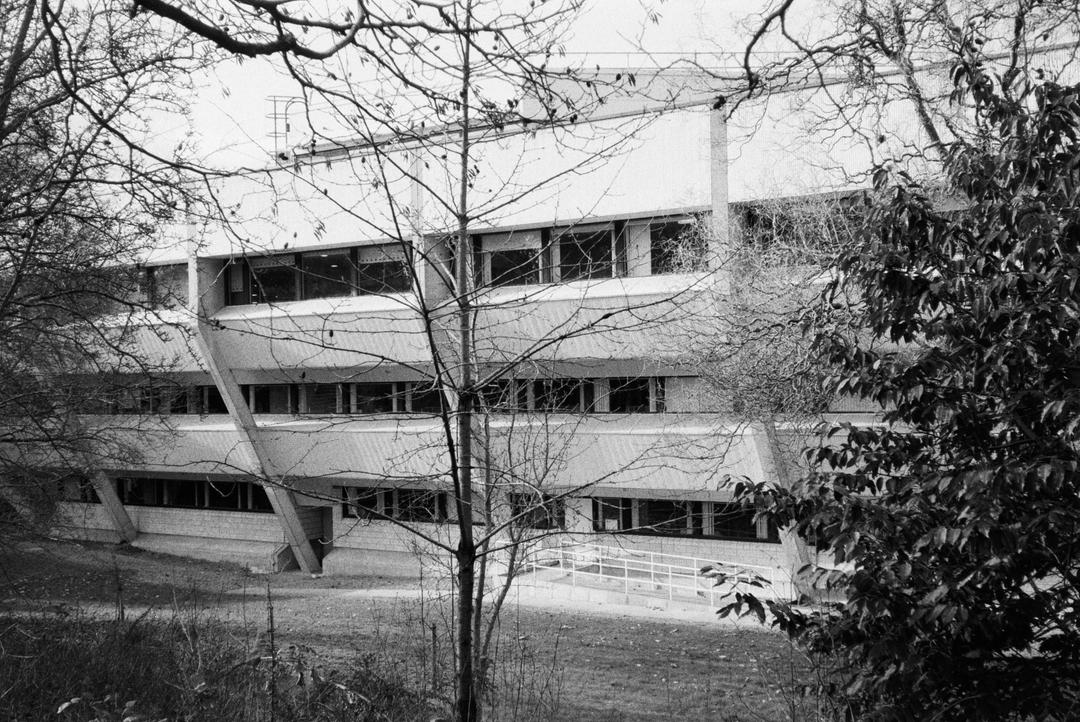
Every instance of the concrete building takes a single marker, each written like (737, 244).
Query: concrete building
(301, 419)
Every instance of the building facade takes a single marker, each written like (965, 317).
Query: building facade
(305, 417)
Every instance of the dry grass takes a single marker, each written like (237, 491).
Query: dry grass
(548, 664)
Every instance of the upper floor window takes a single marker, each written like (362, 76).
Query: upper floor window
(586, 251)
(564, 395)
(326, 273)
(272, 398)
(322, 398)
(425, 398)
(165, 286)
(676, 246)
(273, 279)
(505, 396)
(509, 259)
(382, 269)
(161, 399)
(635, 395)
(369, 398)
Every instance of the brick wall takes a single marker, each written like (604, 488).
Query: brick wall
(207, 523)
(381, 547)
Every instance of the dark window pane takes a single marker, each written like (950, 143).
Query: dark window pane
(149, 400)
(418, 505)
(426, 399)
(273, 280)
(225, 495)
(505, 396)
(215, 404)
(585, 255)
(388, 277)
(515, 267)
(588, 397)
(535, 511)
(661, 516)
(734, 521)
(611, 514)
(562, 395)
(174, 400)
(628, 395)
(259, 499)
(360, 503)
(374, 398)
(141, 492)
(187, 494)
(272, 399)
(321, 398)
(676, 247)
(128, 400)
(326, 274)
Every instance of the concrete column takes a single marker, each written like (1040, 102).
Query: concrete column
(110, 500)
(203, 302)
(773, 467)
(718, 180)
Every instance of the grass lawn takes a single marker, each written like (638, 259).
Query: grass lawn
(548, 663)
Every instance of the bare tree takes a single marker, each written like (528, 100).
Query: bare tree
(424, 132)
(81, 197)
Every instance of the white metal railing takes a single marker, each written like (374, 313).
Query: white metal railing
(647, 571)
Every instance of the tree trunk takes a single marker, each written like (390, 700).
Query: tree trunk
(467, 704)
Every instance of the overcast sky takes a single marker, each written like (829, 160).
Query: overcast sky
(229, 115)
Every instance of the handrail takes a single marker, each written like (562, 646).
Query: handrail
(670, 572)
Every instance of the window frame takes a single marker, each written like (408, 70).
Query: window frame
(488, 245)
(700, 520)
(349, 281)
(558, 242)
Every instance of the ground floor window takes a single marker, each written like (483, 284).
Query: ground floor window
(406, 505)
(612, 514)
(537, 511)
(194, 494)
(361, 503)
(675, 517)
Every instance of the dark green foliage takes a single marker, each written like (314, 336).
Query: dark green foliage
(959, 519)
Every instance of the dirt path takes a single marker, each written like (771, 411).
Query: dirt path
(591, 663)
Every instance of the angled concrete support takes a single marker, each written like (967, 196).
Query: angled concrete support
(282, 499)
(773, 466)
(110, 500)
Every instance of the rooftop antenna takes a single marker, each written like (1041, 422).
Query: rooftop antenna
(279, 114)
